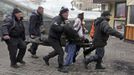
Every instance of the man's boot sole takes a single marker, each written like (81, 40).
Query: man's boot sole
(46, 61)
(62, 71)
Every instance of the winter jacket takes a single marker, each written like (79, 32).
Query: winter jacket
(56, 28)
(36, 20)
(102, 32)
(12, 27)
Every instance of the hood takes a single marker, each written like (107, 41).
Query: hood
(34, 12)
(99, 20)
(15, 10)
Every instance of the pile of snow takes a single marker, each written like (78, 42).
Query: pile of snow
(52, 8)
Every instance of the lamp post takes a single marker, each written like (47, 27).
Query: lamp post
(72, 3)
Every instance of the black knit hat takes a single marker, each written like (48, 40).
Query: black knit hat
(16, 10)
(106, 13)
(82, 13)
(63, 10)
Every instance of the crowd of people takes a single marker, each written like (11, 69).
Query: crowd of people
(13, 33)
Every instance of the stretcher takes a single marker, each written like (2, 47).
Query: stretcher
(45, 42)
(69, 34)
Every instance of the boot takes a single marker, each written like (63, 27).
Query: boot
(63, 69)
(22, 62)
(29, 50)
(99, 66)
(34, 56)
(86, 62)
(14, 66)
(46, 59)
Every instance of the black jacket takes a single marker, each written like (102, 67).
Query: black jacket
(14, 28)
(102, 32)
(56, 28)
(36, 20)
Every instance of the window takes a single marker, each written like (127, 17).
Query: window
(131, 14)
(119, 26)
(120, 10)
(120, 17)
(80, 6)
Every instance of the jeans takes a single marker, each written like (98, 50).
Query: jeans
(72, 52)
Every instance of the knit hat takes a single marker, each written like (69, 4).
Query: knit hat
(81, 14)
(106, 13)
(63, 10)
(16, 10)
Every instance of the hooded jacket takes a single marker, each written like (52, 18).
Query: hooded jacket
(12, 27)
(102, 32)
(56, 28)
(36, 20)
(78, 27)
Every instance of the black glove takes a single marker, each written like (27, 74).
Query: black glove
(86, 41)
(89, 50)
(121, 37)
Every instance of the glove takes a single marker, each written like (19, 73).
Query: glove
(121, 37)
(86, 40)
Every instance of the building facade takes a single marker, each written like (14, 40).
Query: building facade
(122, 18)
(118, 11)
(129, 34)
(86, 5)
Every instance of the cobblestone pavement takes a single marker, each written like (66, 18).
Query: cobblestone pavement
(119, 60)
